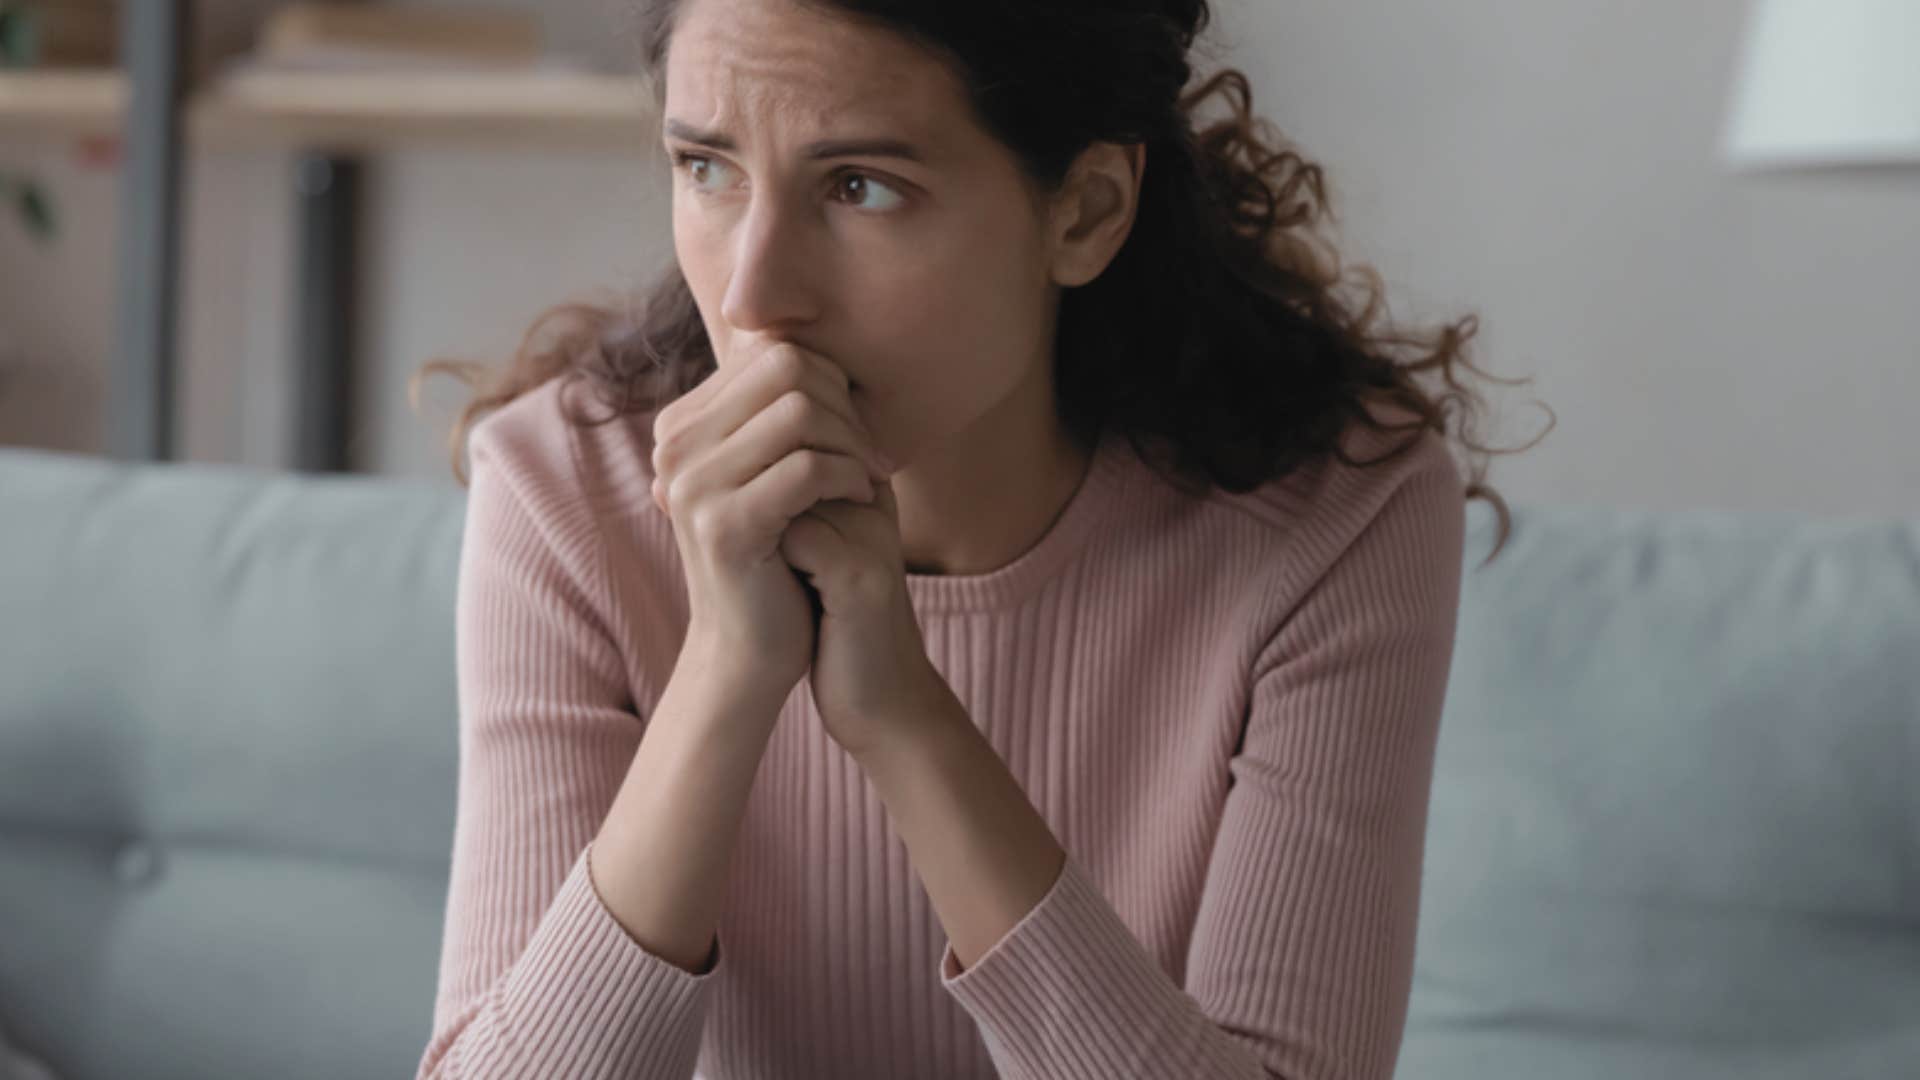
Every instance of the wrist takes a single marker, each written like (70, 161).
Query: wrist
(702, 686)
(924, 729)
(730, 659)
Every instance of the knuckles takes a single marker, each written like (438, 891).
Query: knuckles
(789, 367)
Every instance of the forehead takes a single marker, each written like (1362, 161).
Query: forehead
(734, 65)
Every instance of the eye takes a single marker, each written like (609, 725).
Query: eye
(861, 183)
(687, 163)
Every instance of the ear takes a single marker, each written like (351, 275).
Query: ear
(1093, 214)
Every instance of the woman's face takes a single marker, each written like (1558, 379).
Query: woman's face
(922, 268)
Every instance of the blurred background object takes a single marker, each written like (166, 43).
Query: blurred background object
(224, 172)
(70, 33)
(35, 395)
(1828, 83)
(335, 36)
(30, 202)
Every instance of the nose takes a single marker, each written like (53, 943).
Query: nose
(776, 274)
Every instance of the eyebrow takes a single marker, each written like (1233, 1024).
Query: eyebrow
(830, 148)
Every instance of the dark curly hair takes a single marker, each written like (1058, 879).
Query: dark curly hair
(1216, 340)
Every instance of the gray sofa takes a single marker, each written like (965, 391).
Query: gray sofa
(1675, 826)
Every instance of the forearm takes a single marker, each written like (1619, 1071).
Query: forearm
(981, 849)
(660, 861)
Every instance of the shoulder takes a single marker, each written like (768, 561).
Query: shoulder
(560, 448)
(1404, 500)
(580, 476)
(543, 481)
(523, 441)
(567, 504)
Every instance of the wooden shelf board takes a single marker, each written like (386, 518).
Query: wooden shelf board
(62, 103)
(363, 109)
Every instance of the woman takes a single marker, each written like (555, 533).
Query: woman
(968, 643)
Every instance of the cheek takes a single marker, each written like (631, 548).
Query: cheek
(705, 275)
(693, 249)
(701, 257)
(964, 294)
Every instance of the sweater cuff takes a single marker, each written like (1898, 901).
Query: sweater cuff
(1071, 992)
(585, 998)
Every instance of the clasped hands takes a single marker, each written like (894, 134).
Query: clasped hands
(768, 460)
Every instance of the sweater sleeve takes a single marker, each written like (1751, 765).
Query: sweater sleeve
(536, 977)
(1301, 960)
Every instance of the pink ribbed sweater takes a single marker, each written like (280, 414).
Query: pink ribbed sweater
(1225, 707)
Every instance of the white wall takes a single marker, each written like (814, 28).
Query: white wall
(1706, 339)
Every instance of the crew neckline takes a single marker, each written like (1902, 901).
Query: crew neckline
(1099, 491)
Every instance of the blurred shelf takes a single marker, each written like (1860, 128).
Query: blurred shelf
(162, 112)
(368, 110)
(63, 104)
(353, 111)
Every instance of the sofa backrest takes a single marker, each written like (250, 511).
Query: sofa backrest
(1675, 824)
(228, 748)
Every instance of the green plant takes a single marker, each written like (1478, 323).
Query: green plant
(17, 34)
(36, 213)
(17, 49)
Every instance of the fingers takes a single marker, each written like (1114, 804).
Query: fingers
(716, 408)
(760, 510)
(798, 482)
(745, 419)
(794, 425)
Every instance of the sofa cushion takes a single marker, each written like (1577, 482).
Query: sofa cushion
(1675, 826)
(228, 749)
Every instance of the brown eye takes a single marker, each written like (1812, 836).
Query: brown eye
(688, 163)
(861, 187)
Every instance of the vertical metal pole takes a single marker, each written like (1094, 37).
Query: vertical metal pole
(327, 188)
(141, 379)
